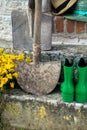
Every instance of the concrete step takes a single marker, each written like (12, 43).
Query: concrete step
(29, 112)
(72, 39)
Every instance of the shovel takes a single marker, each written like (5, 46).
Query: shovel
(38, 77)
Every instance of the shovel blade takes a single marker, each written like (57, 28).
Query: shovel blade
(38, 79)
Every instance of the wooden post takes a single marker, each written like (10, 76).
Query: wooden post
(37, 32)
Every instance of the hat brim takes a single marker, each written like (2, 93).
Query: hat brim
(76, 17)
(70, 4)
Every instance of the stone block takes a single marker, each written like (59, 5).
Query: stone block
(83, 40)
(22, 30)
(28, 112)
(63, 39)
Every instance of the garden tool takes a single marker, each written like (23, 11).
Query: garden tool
(67, 87)
(37, 77)
(81, 86)
(46, 5)
(31, 4)
(23, 27)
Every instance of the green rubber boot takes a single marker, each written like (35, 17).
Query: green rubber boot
(81, 86)
(67, 87)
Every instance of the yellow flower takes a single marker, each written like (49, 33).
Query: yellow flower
(7, 67)
(1, 50)
(20, 57)
(15, 75)
(3, 71)
(28, 59)
(4, 80)
(12, 85)
(9, 76)
(1, 85)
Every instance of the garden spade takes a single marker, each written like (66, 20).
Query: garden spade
(38, 77)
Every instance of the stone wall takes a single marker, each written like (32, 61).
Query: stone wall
(70, 26)
(6, 7)
(64, 31)
(70, 31)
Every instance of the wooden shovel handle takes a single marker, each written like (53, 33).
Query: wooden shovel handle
(37, 32)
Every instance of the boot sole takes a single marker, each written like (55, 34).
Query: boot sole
(80, 98)
(67, 97)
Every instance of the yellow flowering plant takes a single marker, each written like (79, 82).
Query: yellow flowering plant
(7, 68)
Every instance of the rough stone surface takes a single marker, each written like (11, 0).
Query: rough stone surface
(83, 41)
(38, 79)
(6, 8)
(43, 112)
(5, 44)
(69, 39)
(65, 39)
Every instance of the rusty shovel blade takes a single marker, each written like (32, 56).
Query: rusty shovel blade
(38, 79)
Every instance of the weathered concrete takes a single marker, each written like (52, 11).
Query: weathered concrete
(6, 7)
(72, 39)
(43, 112)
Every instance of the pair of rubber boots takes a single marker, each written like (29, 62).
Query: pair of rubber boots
(70, 91)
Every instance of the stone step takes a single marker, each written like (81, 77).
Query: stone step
(62, 38)
(30, 112)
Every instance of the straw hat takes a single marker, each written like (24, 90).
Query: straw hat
(80, 11)
(60, 6)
